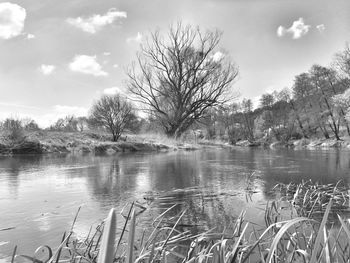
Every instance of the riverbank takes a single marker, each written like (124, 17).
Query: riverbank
(42, 142)
(301, 143)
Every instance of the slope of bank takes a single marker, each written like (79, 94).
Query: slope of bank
(41, 142)
(301, 143)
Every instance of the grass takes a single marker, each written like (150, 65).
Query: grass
(288, 236)
(311, 199)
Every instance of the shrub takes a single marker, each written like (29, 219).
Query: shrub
(12, 130)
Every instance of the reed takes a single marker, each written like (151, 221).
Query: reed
(286, 237)
(311, 199)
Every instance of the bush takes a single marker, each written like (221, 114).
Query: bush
(12, 130)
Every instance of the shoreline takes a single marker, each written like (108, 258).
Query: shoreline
(99, 144)
(315, 143)
(87, 143)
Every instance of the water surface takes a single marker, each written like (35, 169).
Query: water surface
(39, 195)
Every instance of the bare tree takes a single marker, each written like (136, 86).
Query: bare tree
(178, 77)
(113, 113)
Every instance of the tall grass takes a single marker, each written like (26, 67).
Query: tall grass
(286, 237)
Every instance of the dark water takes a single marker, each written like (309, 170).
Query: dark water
(39, 195)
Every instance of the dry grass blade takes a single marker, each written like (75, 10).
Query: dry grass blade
(237, 243)
(75, 219)
(317, 244)
(345, 227)
(106, 253)
(130, 249)
(14, 254)
(59, 248)
(281, 233)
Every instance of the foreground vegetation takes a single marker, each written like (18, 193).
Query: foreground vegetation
(291, 234)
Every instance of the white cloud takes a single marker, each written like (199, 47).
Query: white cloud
(218, 56)
(137, 38)
(30, 36)
(59, 111)
(106, 53)
(64, 110)
(111, 91)
(44, 118)
(115, 90)
(12, 17)
(321, 28)
(96, 22)
(115, 66)
(47, 69)
(87, 65)
(281, 31)
(297, 30)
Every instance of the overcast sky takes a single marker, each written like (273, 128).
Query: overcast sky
(57, 57)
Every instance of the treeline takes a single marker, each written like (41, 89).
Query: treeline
(317, 105)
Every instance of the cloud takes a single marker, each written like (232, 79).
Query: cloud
(297, 30)
(137, 38)
(106, 53)
(64, 110)
(47, 69)
(87, 65)
(30, 36)
(115, 66)
(12, 17)
(57, 112)
(218, 56)
(321, 28)
(281, 31)
(111, 91)
(115, 90)
(44, 118)
(15, 105)
(96, 22)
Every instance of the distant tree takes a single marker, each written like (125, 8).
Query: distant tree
(178, 77)
(12, 130)
(343, 101)
(29, 124)
(66, 124)
(307, 101)
(267, 100)
(247, 121)
(135, 123)
(113, 113)
(342, 62)
(322, 79)
(82, 123)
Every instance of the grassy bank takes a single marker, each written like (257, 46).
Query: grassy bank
(301, 143)
(40, 142)
(291, 233)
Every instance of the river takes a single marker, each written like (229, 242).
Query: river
(40, 194)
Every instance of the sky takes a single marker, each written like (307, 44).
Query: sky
(58, 57)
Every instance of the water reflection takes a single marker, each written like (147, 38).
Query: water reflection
(39, 195)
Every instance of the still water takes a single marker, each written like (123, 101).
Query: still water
(39, 195)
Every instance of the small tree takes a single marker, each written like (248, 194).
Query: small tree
(114, 113)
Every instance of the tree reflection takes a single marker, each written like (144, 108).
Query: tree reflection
(11, 168)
